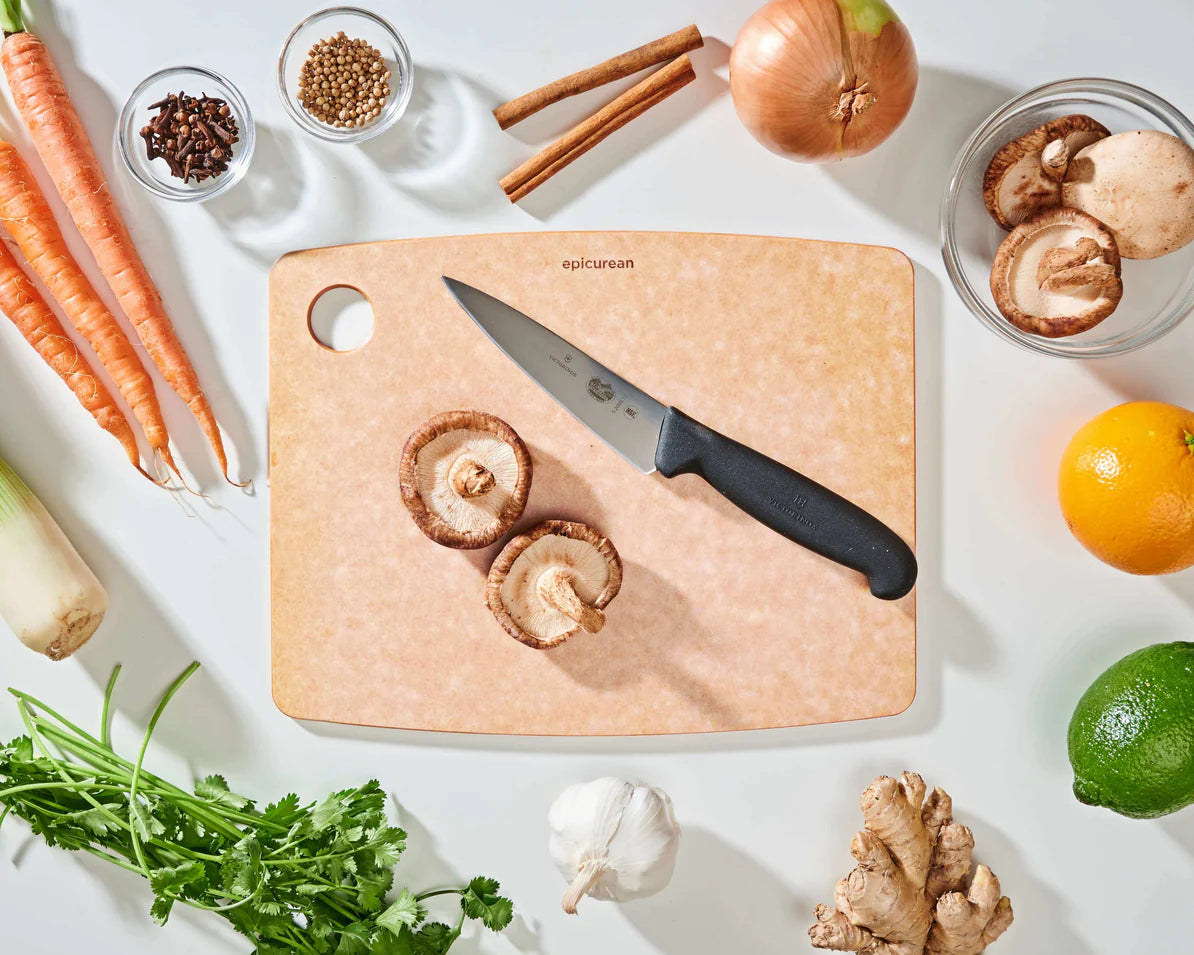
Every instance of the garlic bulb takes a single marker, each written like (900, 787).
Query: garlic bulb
(613, 840)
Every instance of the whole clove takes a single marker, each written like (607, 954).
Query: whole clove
(194, 135)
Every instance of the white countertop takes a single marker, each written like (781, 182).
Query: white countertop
(1015, 618)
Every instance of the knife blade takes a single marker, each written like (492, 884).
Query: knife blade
(657, 437)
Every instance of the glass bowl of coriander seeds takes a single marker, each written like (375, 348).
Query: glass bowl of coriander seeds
(345, 75)
(186, 134)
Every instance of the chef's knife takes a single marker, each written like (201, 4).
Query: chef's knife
(654, 437)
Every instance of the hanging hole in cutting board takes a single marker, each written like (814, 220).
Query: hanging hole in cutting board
(341, 319)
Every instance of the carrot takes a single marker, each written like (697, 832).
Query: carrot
(27, 217)
(42, 100)
(22, 303)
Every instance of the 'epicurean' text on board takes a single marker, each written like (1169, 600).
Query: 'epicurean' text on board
(572, 265)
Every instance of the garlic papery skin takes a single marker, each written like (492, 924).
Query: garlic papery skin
(613, 840)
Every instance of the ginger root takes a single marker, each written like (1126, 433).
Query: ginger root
(908, 895)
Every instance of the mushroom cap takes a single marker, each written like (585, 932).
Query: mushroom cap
(512, 591)
(1141, 184)
(1016, 281)
(425, 477)
(1016, 186)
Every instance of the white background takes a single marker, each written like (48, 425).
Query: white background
(1016, 619)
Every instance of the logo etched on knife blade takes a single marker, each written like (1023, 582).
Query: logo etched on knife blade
(600, 390)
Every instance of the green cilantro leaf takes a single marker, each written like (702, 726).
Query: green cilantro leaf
(171, 879)
(388, 845)
(434, 938)
(99, 821)
(242, 868)
(481, 901)
(354, 939)
(328, 812)
(404, 911)
(160, 910)
(143, 819)
(215, 788)
(283, 811)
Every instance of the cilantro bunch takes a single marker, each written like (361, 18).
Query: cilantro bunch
(293, 878)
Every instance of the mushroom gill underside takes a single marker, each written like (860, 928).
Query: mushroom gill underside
(553, 586)
(466, 478)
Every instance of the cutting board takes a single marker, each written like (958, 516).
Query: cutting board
(802, 349)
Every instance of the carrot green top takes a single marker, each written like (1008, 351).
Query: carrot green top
(10, 17)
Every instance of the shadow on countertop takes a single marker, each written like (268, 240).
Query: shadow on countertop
(720, 900)
(904, 179)
(446, 152)
(1044, 919)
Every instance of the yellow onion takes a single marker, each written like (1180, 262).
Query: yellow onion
(822, 80)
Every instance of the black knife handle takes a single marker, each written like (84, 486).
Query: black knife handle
(795, 506)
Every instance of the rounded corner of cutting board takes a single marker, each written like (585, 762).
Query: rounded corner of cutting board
(284, 262)
(903, 705)
(286, 706)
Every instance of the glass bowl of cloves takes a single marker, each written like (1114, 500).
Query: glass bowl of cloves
(186, 134)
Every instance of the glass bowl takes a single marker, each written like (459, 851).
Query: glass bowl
(1158, 293)
(154, 175)
(357, 24)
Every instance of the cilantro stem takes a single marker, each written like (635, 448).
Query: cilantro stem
(303, 860)
(97, 759)
(153, 722)
(46, 711)
(105, 721)
(74, 786)
(433, 894)
(115, 860)
(339, 905)
(195, 903)
(39, 743)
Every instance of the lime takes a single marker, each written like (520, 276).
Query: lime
(1132, 736)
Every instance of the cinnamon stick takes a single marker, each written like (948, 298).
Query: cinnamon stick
(657, 51)
(583, 137)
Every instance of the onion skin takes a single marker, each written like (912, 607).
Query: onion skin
(823, 80)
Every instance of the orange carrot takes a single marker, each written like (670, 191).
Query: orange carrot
(27, 217)
(22, 303)
(42, 100)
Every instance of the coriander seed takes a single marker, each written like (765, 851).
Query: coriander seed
(332, 85)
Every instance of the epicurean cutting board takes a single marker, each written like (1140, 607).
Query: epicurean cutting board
(803, 350)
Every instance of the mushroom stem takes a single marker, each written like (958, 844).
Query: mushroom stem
(470, 478)
(556, 590)
(586, 876)
(1055, 159)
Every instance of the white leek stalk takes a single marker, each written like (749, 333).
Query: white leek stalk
(48, 596)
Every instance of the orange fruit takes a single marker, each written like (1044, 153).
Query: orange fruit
(1127, 487)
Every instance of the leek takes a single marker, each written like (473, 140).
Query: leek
(49, 597)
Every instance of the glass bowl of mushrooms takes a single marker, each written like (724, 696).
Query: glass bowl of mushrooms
(1068, 221)
(186, 134)
(345, 75)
